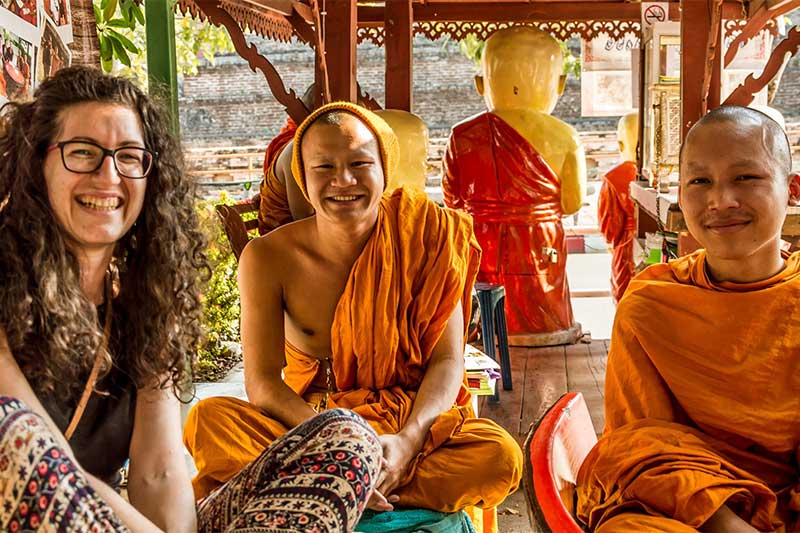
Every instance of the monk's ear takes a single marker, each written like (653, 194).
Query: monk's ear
(621, 146)
(562, 84)
(794, 189)
(479, 84)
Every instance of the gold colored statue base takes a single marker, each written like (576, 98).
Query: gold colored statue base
(570, 335)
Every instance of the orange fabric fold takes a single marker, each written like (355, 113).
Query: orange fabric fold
(273, 210)
(701, 403)
(615, 215)
(420, 261)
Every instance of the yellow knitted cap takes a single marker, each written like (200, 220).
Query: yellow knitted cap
(387, 140)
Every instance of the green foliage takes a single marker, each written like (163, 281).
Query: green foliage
(472, 48)
(221, 308)
(121, 31)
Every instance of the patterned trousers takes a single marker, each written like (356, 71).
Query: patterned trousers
(314, 479)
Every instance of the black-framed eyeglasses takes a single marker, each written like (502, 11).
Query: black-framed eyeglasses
(86, 157)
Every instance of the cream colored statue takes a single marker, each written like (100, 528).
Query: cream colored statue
(412, 133)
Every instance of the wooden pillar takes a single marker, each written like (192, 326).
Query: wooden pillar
(162, 66)
(399, 25)
(695, 29)
(340, 48)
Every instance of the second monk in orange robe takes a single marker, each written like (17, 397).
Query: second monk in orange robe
(361, 306)
(702, 405)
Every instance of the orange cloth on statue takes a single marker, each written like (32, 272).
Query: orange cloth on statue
(701, 402)
(615, 214)
(273, 210)
(393, 310)
(494, 174)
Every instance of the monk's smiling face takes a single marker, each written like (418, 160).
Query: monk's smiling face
(343, 168)
(734, 187)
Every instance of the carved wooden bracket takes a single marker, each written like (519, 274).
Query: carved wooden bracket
(745, 92)
(758, 21)
(367, 101)
(711, 53)
(218, 15)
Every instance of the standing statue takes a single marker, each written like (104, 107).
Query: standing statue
(615, 209)
(517, 170)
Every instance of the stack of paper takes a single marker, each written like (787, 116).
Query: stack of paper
(482, 371)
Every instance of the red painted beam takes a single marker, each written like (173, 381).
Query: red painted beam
(399, 26)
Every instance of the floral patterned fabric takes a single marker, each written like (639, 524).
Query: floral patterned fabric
(315, 479)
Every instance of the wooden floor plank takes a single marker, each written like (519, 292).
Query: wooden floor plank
(508, 411)
(545, 382)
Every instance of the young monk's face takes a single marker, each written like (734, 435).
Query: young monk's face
(343, 169)
(733, 191)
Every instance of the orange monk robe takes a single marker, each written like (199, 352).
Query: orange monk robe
(702, 404)
(273, 210)
(393, 310)
(615, 213)
(495, 175)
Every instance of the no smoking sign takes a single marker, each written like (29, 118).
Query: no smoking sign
(653, 12)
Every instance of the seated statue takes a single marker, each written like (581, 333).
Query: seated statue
(615, 208)
(342, 309)
(701, 393)
(517, 170)
(412, 135)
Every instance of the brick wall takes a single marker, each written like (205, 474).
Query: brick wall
(227, 104)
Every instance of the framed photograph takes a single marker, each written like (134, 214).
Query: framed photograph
(53, 53)
(16, 82)
(60, 14)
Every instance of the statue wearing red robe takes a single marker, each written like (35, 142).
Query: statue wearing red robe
(514, 197)
(615, 215)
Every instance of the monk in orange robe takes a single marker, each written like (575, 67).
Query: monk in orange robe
(273, 210)
(615, 208)
(361, 306)
(702, 406)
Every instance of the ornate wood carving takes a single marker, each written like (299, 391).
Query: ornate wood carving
(459, 30)
(217, 14)
(758, 21)
(366, 100)
(265, 23)
(744, 93)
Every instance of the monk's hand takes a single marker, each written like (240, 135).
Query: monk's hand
(379, 502)
(398, 451)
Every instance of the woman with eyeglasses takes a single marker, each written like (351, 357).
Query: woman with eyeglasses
(101, 264)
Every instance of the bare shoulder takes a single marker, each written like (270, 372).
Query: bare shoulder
(278, 252)
(283, 163)
(557, 126)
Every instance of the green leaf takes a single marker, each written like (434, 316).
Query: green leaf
(105, 47)
(107, 64)
(138, 13)
(103, 4)
(119, 51)
(124, 41)
(117, 23)
(109, 10)
(97, 14)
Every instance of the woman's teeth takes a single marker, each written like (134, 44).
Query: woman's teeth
(102, 204)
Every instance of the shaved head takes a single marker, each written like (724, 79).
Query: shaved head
(773, 136)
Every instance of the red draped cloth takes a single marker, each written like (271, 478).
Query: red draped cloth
(274, 207)
(615, 214)
(514, 197)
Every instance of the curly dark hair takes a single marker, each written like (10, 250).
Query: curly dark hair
(52, 328)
